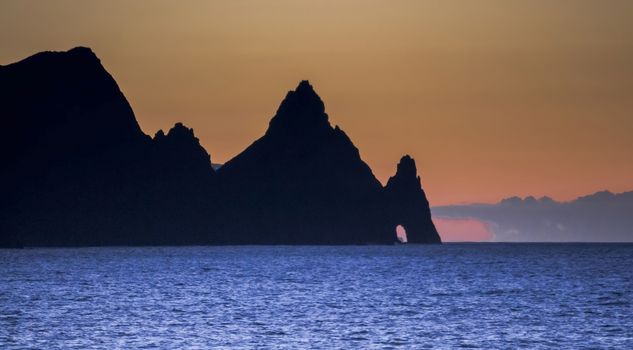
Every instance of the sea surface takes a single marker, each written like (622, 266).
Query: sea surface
(451, 296)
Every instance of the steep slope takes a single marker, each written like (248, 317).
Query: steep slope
(76, 167)
(406, 204)
(62, 102)
(302, 182)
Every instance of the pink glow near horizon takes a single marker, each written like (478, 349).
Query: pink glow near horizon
(463, 230)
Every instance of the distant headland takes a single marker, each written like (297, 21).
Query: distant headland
(76, 170)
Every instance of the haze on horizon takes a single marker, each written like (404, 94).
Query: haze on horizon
(492, 98)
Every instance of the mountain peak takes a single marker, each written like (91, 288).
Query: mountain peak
(305, 87)
(79, 103)
(82, 51)
(80, 55)
(406, 167)
(409, 206)
(178, 133)
(180, 130)
(406, 174)
(182, 150)
(302, 110)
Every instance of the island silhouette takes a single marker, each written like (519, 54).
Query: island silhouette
(77, 170)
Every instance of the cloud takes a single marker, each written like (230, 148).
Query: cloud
(600, 217)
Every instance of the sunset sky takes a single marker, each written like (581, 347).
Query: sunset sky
(492, 98)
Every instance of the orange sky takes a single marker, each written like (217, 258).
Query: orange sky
(492, 98)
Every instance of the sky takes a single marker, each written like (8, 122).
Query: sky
(492, 98)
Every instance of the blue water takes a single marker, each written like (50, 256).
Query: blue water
(450, 296)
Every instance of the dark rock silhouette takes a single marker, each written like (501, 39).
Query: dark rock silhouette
(184, 188)
(77, 170)
(62, 102)
(69, 132)
(76, 167)
(182, 155)
(407, 204)
(303, 181)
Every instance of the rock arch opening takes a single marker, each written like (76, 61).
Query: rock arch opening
(401, 234)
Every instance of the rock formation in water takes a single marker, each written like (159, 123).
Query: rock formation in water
(303, 181)
(77, 170)
(407, 205)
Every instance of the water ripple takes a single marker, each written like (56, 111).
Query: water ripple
(450, 296)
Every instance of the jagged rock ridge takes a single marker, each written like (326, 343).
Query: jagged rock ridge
(83, 173)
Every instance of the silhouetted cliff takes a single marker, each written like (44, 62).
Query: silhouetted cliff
(62, 102)
(76, 167)
(303, 181)
(407, 205)
(77, 170)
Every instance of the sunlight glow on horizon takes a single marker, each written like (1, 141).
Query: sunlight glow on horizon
(463, 230)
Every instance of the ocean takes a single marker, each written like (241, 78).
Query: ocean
(319, 297)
